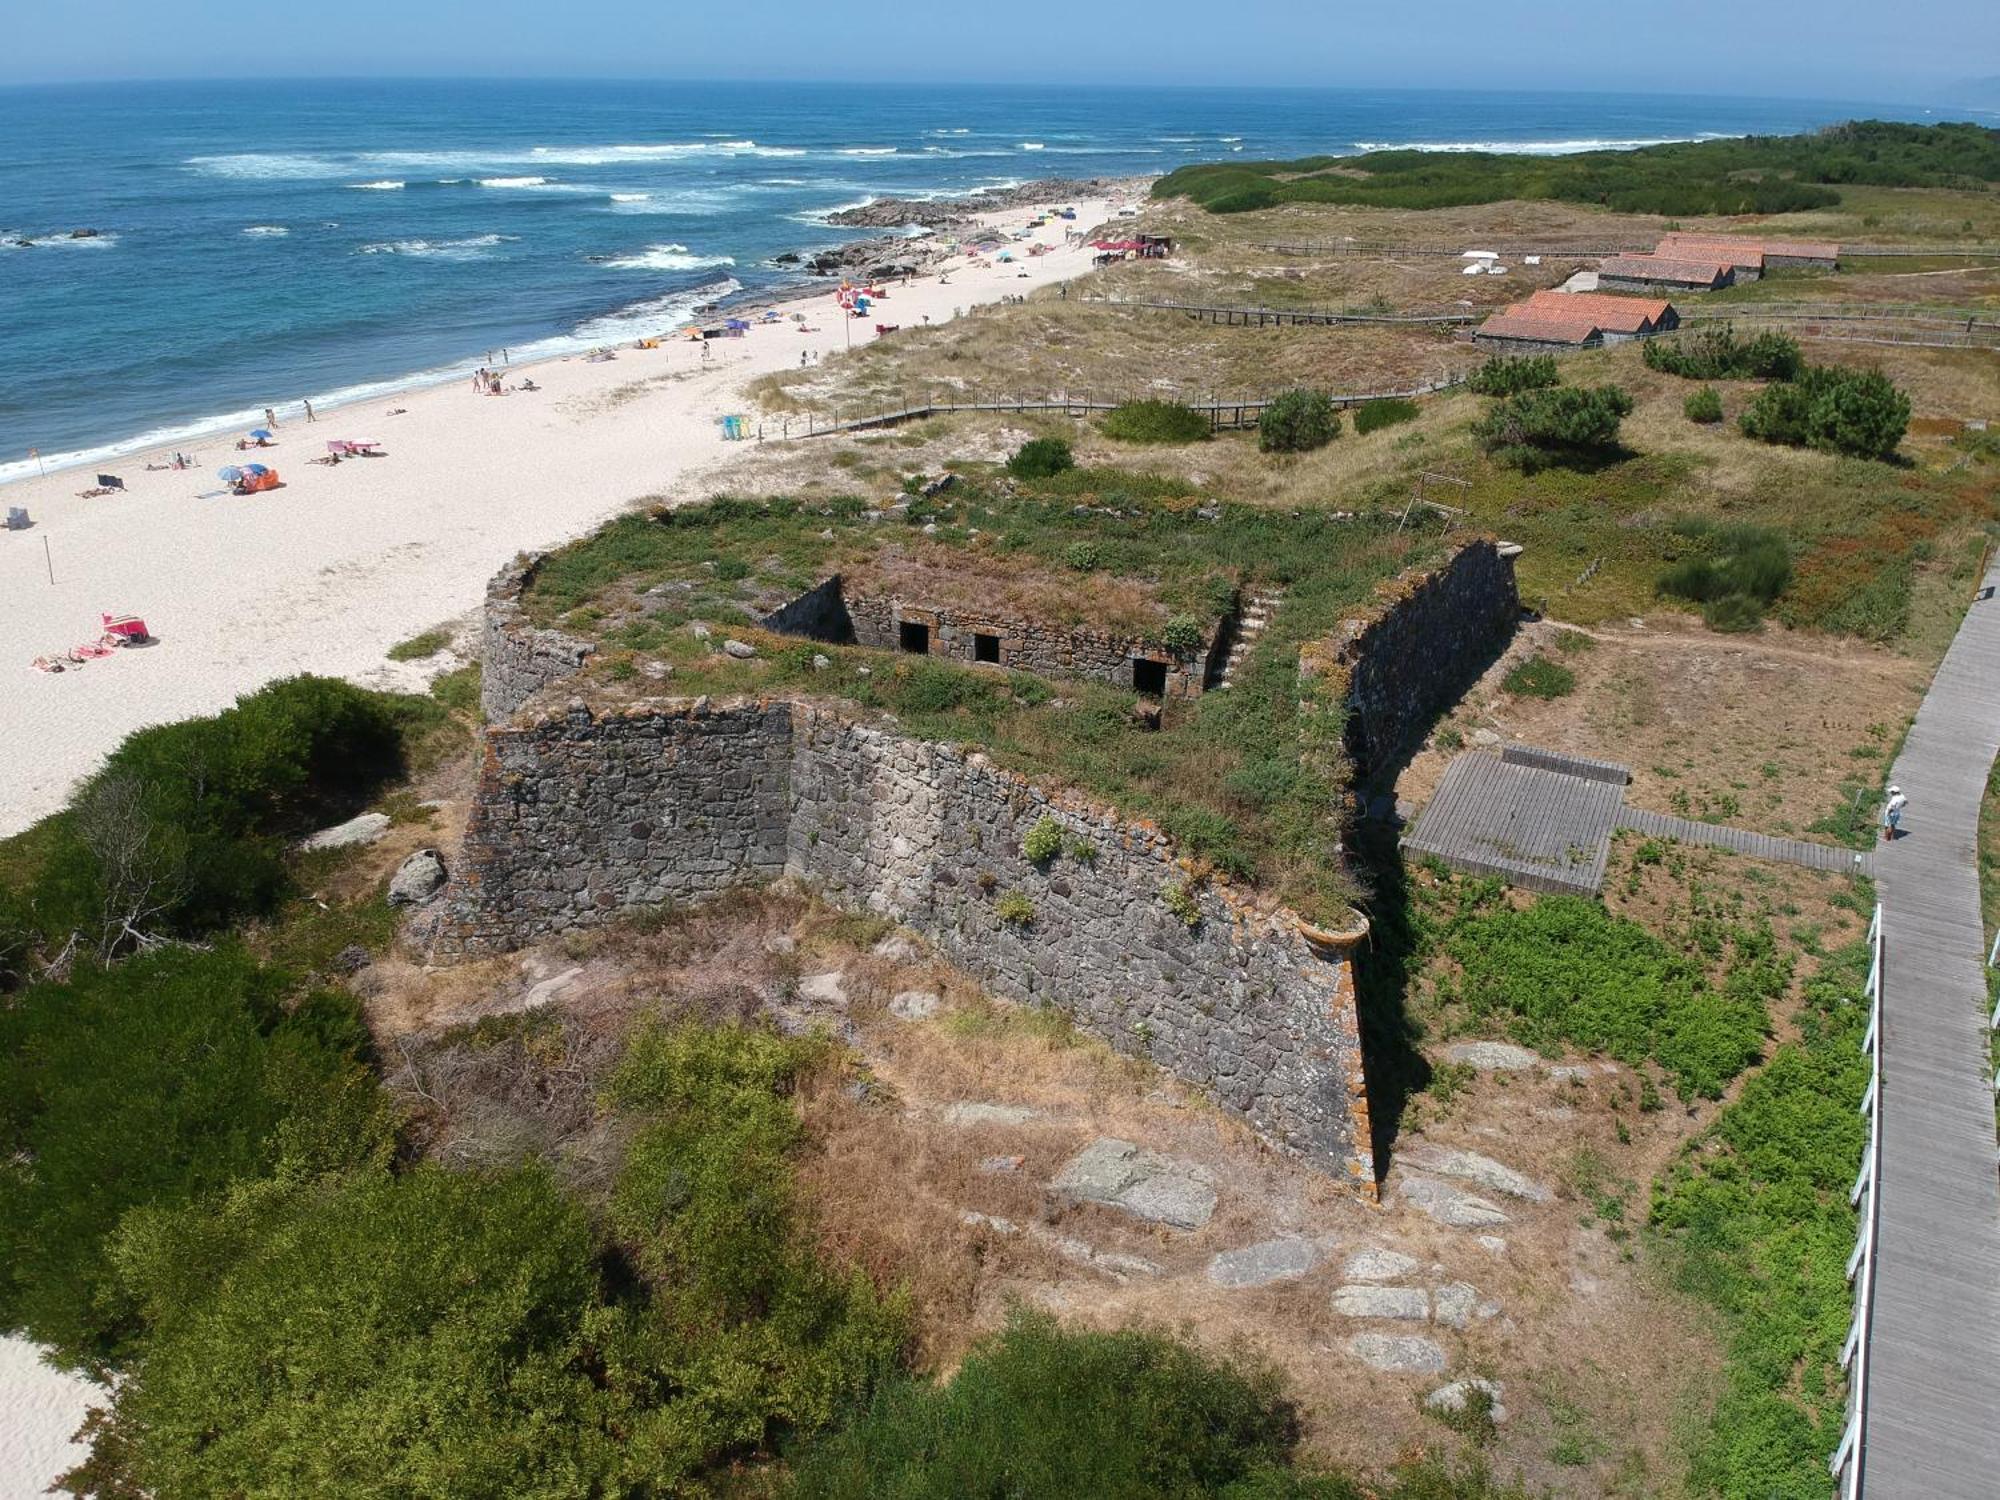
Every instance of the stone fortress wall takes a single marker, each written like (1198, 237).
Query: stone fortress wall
(582, 815)
(518, 659)
(1415, 651)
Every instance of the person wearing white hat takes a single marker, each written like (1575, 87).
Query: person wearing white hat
(1892, 813)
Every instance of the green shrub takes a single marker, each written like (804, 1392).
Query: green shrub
(1014, 908)
(1542, 427)
(1085, 557)
(1297, 421)
(1040, 1411)
(458, 690)
(1041, 458)
(1756, 1217)
(1742, 573)
(1509, 375)
(417, 647)
(1704, 405)
(1856, 412)
(1564, 970)
(1177, 898)
(933, 688)
(1183, 635)
(1155, 422)
(187, 825)
(160, 1082)
(1717, 354)
(1371, 416)
(1538, 677)
(1043, 843)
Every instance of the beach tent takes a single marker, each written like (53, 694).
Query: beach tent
(261, 434)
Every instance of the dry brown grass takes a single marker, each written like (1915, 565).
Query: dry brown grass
(985, 584)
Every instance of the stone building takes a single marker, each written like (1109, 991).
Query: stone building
(1550, 321)
(1663, 273)
(961, 631)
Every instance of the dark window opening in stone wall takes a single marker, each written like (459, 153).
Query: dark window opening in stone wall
(986, 648)
(1149, 677)
(915, 638)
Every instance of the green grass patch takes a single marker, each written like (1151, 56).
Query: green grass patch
(418, 647)
(1538, 677)
(1155, 422)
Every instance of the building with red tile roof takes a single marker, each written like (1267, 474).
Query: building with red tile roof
(1574, 320)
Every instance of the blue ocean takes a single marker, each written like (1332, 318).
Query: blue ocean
(258, 242)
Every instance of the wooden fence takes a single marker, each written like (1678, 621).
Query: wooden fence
(1279, 317)
(1515, 249)
(1222, 413)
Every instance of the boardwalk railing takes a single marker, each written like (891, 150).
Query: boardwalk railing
(1850, 1458)
(1221, 413)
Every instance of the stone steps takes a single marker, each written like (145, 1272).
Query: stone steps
(1250, 625)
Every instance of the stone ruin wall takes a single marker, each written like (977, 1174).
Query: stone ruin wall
(1413, 654)
(581, 816)
(518, 659)
(828, 613)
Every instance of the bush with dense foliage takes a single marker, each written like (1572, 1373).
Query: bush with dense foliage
(1859, 413)
(1040, 1411)
(1297, 421)
(156, 1083)
(1510, 374)
(1564, 971)
(1704, 405)
(186, 827)
(1155, 422)
(1041, 458)
(1565, 424)
(1739, 574)
(1718, 354)
(1370, 416)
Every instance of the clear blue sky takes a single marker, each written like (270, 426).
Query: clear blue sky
(1913, 51)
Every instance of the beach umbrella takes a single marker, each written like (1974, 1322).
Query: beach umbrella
(262, 434)
(255, 469)
(229, 475)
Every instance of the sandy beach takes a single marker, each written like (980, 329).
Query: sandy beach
(327, 572)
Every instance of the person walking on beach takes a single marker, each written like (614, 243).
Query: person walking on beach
(270, 417)
(306, 402)
(1892, 814)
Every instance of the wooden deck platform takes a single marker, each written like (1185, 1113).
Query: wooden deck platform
(1542, 829)
(1829, 857)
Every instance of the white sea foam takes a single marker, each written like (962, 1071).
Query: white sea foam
(272, 230)
(654, 315)
(456, 166)
(1538, 148)
(1228, 138)
(57, 240)
(1033, 146)
(630, 197)
(867, 151)
(388, 184)
(470, 248)
(666, 258)
(513, 182)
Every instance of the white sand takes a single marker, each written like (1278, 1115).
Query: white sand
(326, 573)
(40, 1408)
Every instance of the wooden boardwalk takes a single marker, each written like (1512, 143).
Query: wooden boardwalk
(1932, 1404)
(1757, 845)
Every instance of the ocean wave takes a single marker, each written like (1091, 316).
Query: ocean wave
(693, 203)
(666, 258)
(387, 184)
(630, 197)
(1225, 139)
(1539, 148)
(1033, 146)
(14, 240)
(640, 319)
(513, 182)
(601, 156)
(953, 130)
(456, 166)
(784, 182)
(469, 248)
(272, 230)
(867, 151)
